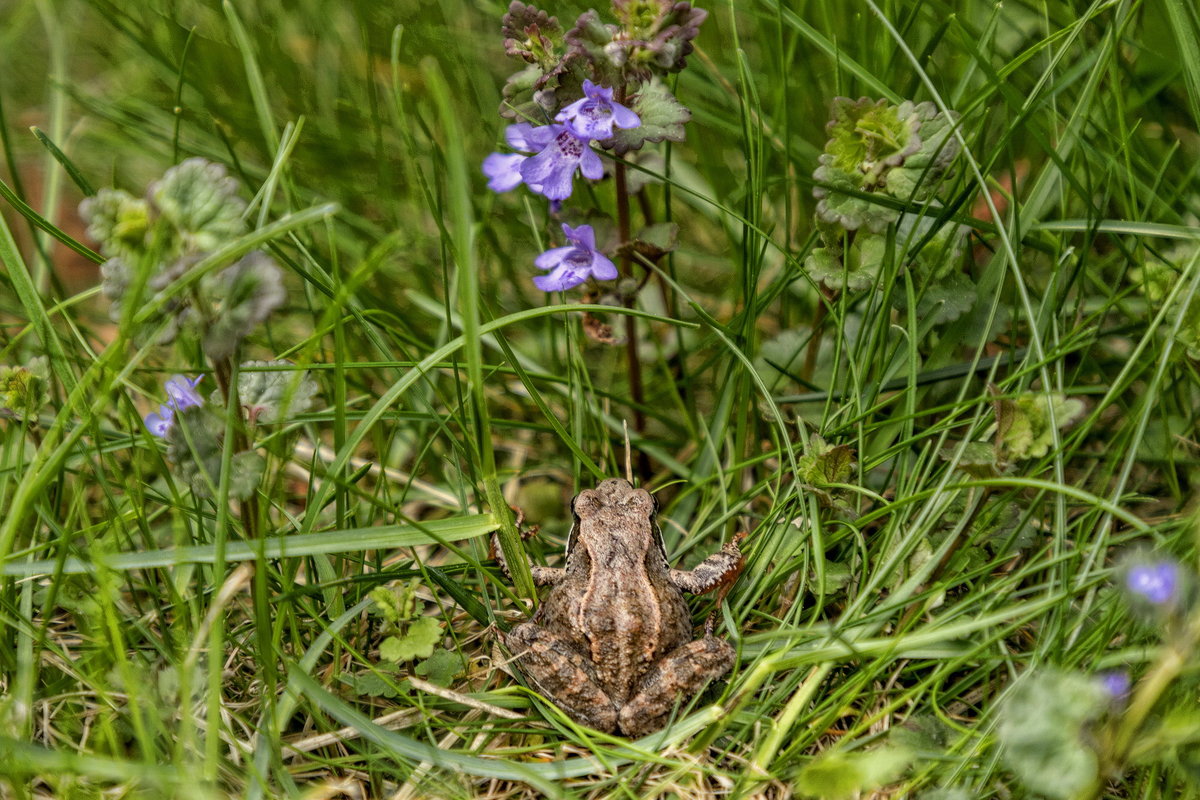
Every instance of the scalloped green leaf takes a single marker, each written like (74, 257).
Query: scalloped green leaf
(245, 294)
(1042, 731)
(920, 173)
(517, 94)
(200, 201)
(589, 41)
(944, 300)
(442, 667)
(532, 35)
(663, 118)
(655, 241)
(418, 641)
(978, 458)
(838, 206)
(24, 389)
(195, 445)
(856, 269)
(825, 463)
(117, 220)
(371, 684)
(269, 395)
(1024, 427)
(868, 137)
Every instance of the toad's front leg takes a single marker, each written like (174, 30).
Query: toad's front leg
(542, 576)
(719, 570)
(561, 673)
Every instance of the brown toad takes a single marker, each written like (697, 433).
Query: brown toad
(612, 643)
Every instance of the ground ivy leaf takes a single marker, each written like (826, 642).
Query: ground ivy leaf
(836, 205)
(1041, 731)
(1023, 423)
(194, 447)
(944, 300)
(835, 775)
(978, 458)
(663, 236)
(371, 684)
(655, 241)
(663, 118)
(117, 220)
(825, 463)
(589, 41)
(532, 35)
(518, 102)
(933, 250)
(245, 294)
(391, 649)
(200, 201)
(830, 776)
(782, 354)
(442, 667)
(246, 471)
(1156, 278)
(268, 396)
(919, 174)
(856, 269)
(418, 641)
(23, 389)
(869, 137)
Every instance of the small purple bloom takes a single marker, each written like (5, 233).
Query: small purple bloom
(1155, 582)
(552, 171)
(181, 394)
(594, 115)
(572, 265)
(503, 171)
(159, 422)
(527, 137)
(1115, 684)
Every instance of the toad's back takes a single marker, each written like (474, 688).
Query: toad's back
(616, 602)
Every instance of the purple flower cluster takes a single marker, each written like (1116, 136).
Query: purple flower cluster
(551, 154)
(546, 161)
(181, 394)
(1157, 582)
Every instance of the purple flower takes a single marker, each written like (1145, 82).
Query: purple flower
(594, 115)
(573, 264)
(159, 422)
(181, 394)
(1155, 582)
(552, 171)
(1115, 684)
(504, 169)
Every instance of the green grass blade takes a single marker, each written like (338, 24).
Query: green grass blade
(384, 537)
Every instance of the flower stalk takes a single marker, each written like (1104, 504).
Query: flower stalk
(601, 86)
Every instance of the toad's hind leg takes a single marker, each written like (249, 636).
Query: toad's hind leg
(679, 674)
(561, 673)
